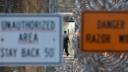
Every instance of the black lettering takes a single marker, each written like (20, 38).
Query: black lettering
(31, 25)
(110, 24)
(5, 25)
(28, 37)
(6, 52)
(97, 38)
(123, 38)
(52, 25)
(49, 52)
(35, 37)
(34, 52)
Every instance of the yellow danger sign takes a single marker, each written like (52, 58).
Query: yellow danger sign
(104, 31)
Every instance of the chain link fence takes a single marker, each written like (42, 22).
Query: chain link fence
(106, 61)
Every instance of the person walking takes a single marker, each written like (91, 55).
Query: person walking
(66, 41)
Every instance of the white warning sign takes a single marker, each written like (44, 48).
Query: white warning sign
(30, 39)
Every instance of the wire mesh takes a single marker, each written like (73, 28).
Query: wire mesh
(106, 61)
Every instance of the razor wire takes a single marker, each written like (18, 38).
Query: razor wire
(106, 61)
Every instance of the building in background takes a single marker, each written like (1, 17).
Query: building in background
(65, 5)
(24, 6)
(33, 6)
(9, 6)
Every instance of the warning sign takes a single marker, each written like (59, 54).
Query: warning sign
(30, 39)
(104, 31)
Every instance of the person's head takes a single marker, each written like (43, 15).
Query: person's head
(65, 32)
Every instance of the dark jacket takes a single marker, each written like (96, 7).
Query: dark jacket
(66, 40)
